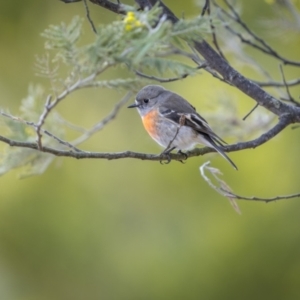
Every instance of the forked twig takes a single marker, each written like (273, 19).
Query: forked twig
(291, 99)
(225, 191)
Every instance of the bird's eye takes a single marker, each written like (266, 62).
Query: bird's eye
(146, 101)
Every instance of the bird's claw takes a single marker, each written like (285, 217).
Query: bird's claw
(168, 155)
(184, 155)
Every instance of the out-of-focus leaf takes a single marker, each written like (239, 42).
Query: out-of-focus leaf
(32, 161)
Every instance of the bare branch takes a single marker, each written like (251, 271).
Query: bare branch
(251, 111)
(65, 143)
(85, 136)
(49, 105)
(267, 200)
(265, 47)
(278, 84)
(42, 121)
(226, 191)
(70, 1)
(245, 85)
(229, 74)
(291, 99)
(213, 30)
(35, 126)
(214, 63)
(159, 79)
(205, 7)
(222, 183)
(94, 155)
(103, 122)
(113, 7)
(283, 122)
(89, 16)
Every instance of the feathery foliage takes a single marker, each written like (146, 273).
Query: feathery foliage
(142, 42)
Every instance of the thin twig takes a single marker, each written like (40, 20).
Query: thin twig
(159, 79)
(65, 143)
(35, 126)
(216, 62)
(291, 99)
(225, 191)
(213, 30)
(277, 83)
(49, 105)
(89, 16)
(251, 111)
(70, 125)
(70, 1)
(222, 183)
(254, 198)
(205, 7)
(250, 61)
(42, 121)
(288, 114)
(116, 8)
(228, 72)
(266, 48)
(284, 121)
(97, 127)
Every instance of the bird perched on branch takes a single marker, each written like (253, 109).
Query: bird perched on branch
(173, 122)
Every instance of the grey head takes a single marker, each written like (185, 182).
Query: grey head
(147, 98)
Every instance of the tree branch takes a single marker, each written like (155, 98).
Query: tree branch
(287, 114)
(254, 198)
(213, 29)
(245, 85)
(291, 99)
(89, 16)
(88, 133)
(224, 189)
(217, 63)
(113, 7)
(159, 79)
(284, 121)
(248, 87)
(265, 47)
(277, 83)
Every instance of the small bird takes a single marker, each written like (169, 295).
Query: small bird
(173, 122)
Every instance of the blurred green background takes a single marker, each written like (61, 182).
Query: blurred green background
(129, 229)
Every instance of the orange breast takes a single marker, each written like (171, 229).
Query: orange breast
(149, 122)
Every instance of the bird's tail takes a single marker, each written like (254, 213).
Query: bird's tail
(219, 149)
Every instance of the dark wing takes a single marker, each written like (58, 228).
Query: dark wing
(177, 103)
(178, 107)
(182, 112)
(200, 125)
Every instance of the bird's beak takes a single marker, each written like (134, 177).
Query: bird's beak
(133, 105)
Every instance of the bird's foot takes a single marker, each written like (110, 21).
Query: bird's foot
(184, 155)
(167, 153)
(167, 161)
